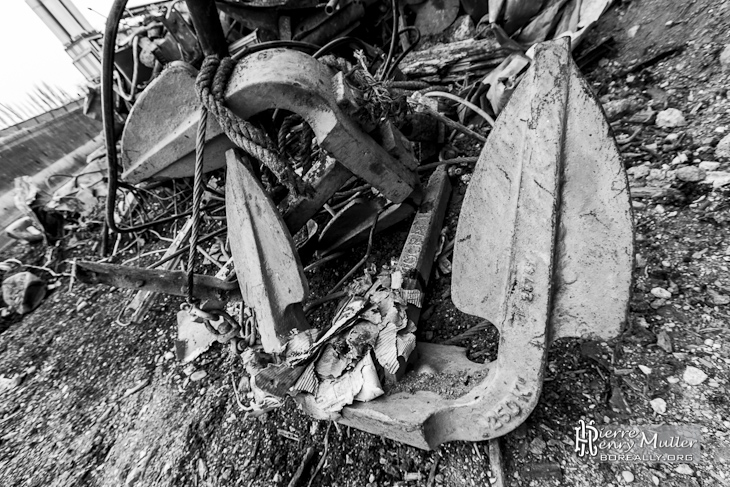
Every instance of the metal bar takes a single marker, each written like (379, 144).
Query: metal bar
(157, 280)
(208, 27)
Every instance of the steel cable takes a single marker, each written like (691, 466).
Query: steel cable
(197, 200)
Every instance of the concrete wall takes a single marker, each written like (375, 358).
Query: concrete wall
(32, 149)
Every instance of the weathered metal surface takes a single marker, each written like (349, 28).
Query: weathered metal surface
(183, 34)
(159, 137)
(326, 177)
(294, 81)
(321, 27)
(416, 259)
(142, 301)
(517, 242)
(596, 233)
(354, 214)
(267, 264)
(359, 231)
(207, 23)
(156, 280)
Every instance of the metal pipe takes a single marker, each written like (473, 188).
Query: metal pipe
(204, 15)
(332, 6)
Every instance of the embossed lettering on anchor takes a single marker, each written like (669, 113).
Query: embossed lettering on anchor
(511, 407)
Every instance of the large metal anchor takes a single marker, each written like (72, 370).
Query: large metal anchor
(544, 250)
(159, 138)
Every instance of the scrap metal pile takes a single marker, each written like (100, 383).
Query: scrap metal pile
(314, 126)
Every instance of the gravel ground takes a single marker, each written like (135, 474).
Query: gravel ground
(70, 420)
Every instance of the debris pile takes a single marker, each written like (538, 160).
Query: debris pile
(299, 138)
(370, 337)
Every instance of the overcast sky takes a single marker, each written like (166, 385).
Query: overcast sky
(30, 53)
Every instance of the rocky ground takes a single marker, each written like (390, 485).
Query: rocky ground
(93, 403)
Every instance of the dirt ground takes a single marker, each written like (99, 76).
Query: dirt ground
(72, 420)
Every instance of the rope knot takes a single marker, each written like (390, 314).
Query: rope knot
(211, 85)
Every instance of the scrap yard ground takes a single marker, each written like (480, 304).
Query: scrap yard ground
(78, 417)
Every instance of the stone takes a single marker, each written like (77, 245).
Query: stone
(537, 446)
(690, 174)
(723, 147)
(615, 109)
(168, 355)
(664, 341)
(645, 370)
(198, 375)
(670, 118)
(660, 292)
(656, 175)
(681, 158)
(718, 179)
(718, 299)
(709, 165)
(202, 469)
(10, 383)
(684, 469)
(627, 476)
(659, 405)
(631, 32)
(693, 376)
(639, 172)
(725, 59)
